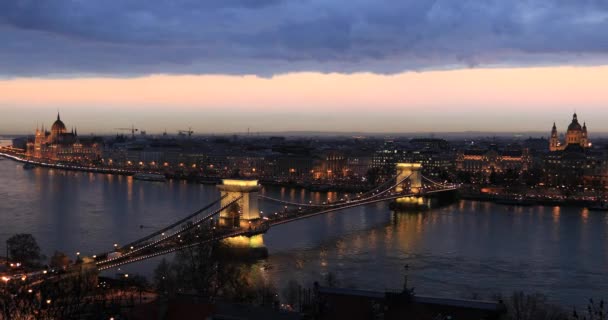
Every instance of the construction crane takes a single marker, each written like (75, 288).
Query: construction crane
(188, 132)
(132, 129)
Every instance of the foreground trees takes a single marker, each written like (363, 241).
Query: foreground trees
(207, 271)
(23, 248)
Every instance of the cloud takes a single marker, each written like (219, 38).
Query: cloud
(267, 37)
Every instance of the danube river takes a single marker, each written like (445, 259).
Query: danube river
(456, 251)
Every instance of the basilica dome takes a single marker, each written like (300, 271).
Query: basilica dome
(574, 125)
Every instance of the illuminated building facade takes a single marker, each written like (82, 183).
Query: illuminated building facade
(492, 160)
(573, 164)
(61, 145)
(575, 135)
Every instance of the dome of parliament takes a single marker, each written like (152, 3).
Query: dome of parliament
(58, 126)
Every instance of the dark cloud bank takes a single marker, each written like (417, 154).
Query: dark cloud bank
(266, 37)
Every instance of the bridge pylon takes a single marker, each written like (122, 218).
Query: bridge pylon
(246, 208)
(415, 176)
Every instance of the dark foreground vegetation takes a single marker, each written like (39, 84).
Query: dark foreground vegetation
(208, 278)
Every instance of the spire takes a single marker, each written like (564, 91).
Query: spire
(58, 117)
(574, 117)
(554, 127)
(75, 131)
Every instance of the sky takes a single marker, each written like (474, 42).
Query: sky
(224, 66)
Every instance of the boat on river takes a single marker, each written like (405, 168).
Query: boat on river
(518, 201)
(149, 177)
(599, 206)
(29, 166)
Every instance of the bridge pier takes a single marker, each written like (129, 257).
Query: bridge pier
(243, 213)
(415, 177)
(246, 248)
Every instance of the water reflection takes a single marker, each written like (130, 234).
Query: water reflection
(452, 251)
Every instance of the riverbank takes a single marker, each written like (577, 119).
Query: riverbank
(317, 187)
(529, 201)
(69, 167)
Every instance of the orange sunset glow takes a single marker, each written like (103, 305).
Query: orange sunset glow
(455, 92)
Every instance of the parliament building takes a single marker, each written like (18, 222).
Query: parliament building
(61, 145)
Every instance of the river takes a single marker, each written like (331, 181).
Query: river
(455, 251)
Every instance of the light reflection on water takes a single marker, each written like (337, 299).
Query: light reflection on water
(468, 247)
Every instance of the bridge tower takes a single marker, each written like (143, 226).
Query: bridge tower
(413, 171)
(246, 208)
(246, 212)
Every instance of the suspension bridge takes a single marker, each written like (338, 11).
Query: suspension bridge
(236, 214)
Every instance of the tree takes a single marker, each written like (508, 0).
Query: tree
(291, 292)
(210, 272)
(59, 260)
(331, 280)
(164, 278)
(521, 306)
(595, 311)
(24, 248)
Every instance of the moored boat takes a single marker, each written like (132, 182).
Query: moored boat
(29, 166)
(515, 201)
(599, 206)
(149, 177)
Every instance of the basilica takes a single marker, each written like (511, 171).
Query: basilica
(575, 136)
(61, 145)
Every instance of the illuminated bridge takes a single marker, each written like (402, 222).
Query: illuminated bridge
(236, 214)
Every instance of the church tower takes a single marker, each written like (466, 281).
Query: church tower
(554, 140)
(39, 141)
(584, 137)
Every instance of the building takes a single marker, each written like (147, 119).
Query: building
(493, 160)
(573, 164)
(331, 164)
(575, 135)
(342, 303)
(61, 145)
